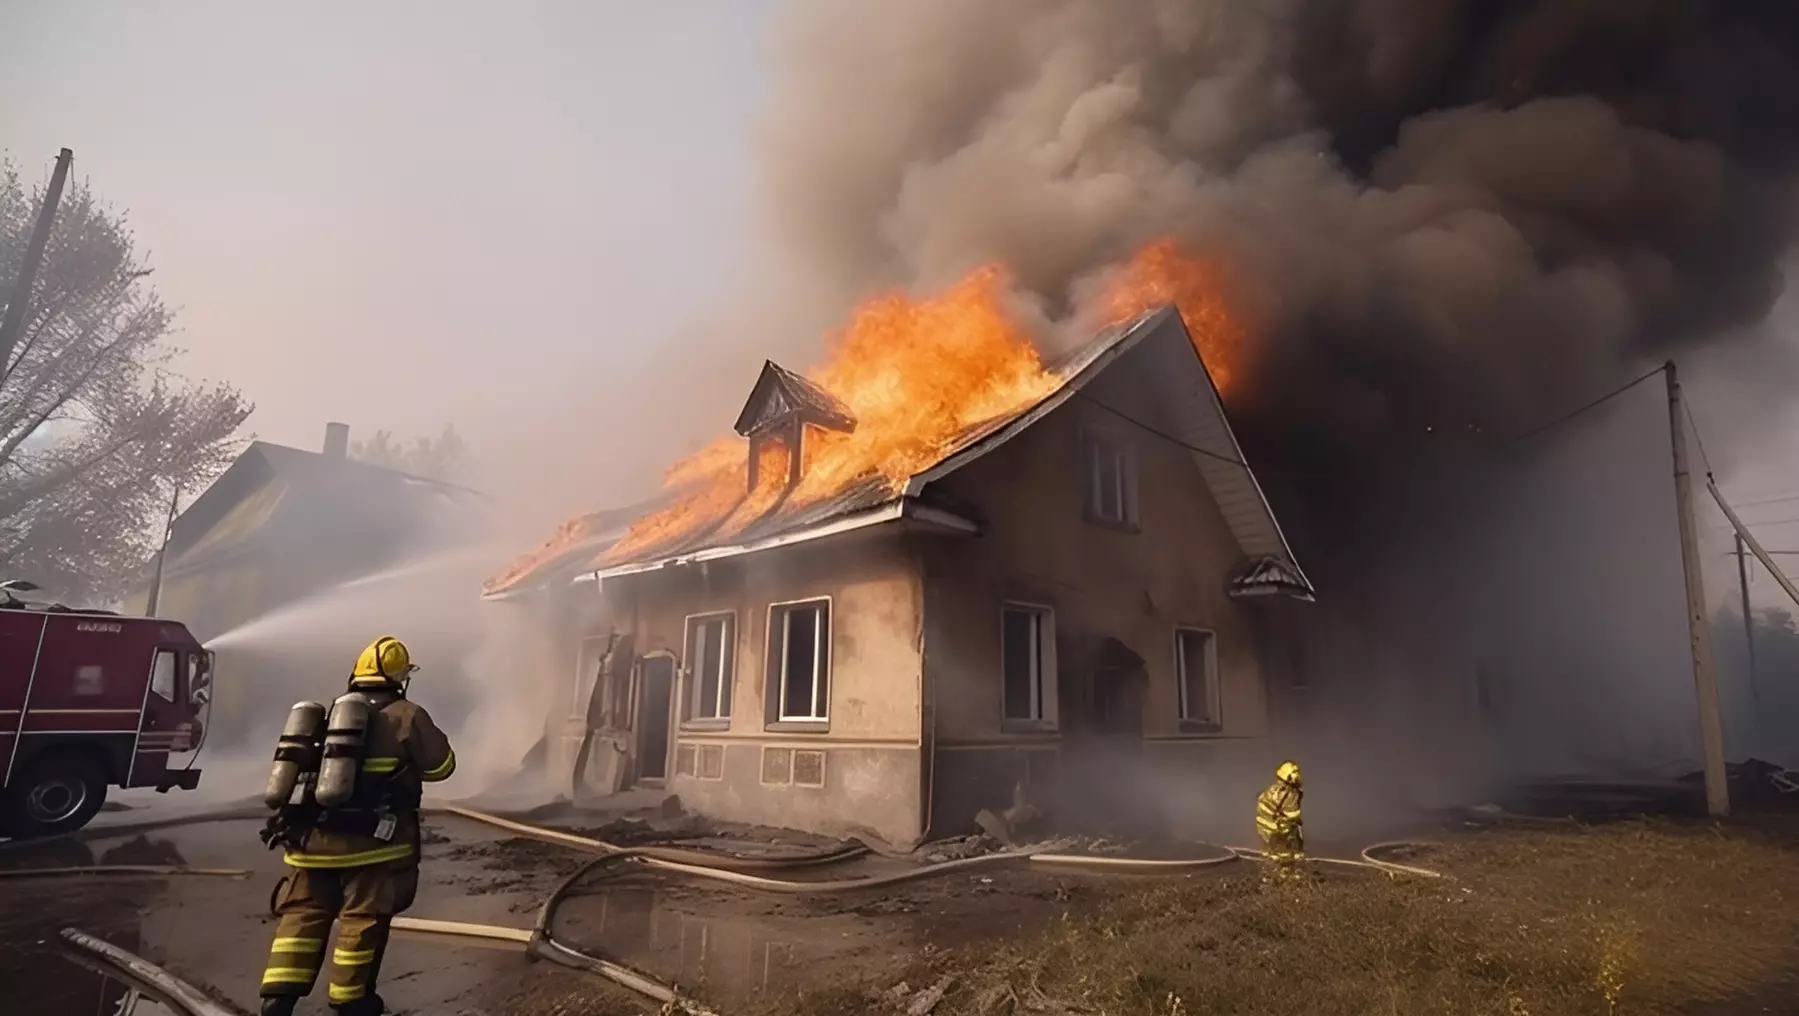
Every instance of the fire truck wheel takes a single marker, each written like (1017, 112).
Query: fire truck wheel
(57, 795)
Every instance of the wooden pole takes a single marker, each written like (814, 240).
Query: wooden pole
(162, 554)
(14, 322)
(1705, 678)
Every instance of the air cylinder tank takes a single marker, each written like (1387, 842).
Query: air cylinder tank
(296, 753)
(344, 735)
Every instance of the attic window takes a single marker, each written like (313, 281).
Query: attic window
(1108, 479)
(780, 408)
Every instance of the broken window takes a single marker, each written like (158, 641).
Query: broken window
(711, 655)
(1026, 639)
(1110, 479)
(1196, 667)
(800, 651)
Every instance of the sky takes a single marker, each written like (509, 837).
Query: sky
(404, 214)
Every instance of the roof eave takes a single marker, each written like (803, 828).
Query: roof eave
(903, 508)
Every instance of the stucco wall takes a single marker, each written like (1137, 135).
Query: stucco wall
(871, 770)
(1134, 586)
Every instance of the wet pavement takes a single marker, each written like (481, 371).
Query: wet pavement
(214, 931)
(717, 941)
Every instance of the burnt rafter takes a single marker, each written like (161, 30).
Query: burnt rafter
(780, 407)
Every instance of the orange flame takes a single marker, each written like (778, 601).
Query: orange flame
(1161, 274)
(915, 373)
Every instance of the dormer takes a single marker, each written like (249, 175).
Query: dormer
(780, 408)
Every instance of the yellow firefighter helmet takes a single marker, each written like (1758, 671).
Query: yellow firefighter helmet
(1288, 773)
(386, 660)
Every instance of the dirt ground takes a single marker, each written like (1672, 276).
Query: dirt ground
(1639, 917)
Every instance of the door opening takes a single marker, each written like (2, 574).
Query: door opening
(656, 675)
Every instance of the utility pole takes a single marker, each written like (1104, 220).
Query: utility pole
(162, 555)
(1742, 556)
(16, 302)
(1705, 678)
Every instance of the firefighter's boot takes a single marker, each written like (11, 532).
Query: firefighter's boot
(367, 1005)
(279, 1005)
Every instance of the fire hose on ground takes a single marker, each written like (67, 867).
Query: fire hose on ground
(729, 868)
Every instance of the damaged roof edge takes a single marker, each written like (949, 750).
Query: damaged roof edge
(1120, 345)
(900, 508)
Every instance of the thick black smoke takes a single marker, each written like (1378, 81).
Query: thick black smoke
(1443, 214)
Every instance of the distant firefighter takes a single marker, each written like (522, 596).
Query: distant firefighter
(1277, 816)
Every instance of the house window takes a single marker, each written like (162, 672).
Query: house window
(162, 675)
(1027, 658)
(1109, 479)
(711, 659)
(1196, 669)
(800, 654)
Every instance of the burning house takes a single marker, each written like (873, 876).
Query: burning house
(897, 597)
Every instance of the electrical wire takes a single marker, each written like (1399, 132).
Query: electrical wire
(1491, 450)
(1565, 417)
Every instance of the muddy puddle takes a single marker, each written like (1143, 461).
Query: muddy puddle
(724, 944)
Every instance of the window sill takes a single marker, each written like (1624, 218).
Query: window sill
(798, 727)
(1028, 726)
(714, 724)
(1201, 727)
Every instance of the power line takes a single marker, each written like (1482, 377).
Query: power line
(1164, 435)
(1698, 438)
(1494, 449)
(1565, 417)
(1785, 499)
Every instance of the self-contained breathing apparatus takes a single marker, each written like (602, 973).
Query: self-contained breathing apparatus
(318, 779)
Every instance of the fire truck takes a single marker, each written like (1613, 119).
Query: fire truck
(91, 699)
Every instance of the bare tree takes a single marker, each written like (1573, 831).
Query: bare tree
(95, 433)
(443, 458)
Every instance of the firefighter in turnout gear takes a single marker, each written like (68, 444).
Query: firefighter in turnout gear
(1277, 819)
(350, 828)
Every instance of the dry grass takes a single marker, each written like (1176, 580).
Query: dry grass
(1634, 918)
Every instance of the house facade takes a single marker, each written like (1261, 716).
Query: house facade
(279, 525)
(1074, 601)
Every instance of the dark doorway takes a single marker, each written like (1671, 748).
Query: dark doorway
(656, 677)
(1102, 779)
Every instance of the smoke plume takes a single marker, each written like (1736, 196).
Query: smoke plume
(1437, 213)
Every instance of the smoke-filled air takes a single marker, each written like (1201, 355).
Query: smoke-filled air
(1431, 214)
(969, 450)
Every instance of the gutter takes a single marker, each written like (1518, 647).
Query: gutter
(896, 510)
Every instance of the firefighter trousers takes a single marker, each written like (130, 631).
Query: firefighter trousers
(1286, 849)
(362, 901)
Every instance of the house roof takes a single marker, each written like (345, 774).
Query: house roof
(1182, 404)
(568, 550)
(273, 494)
(780, 394)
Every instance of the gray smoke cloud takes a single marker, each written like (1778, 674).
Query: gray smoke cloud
(1438, 213)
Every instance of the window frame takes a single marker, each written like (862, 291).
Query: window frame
(774, 656)
(1048, 685)
(1213, 722)
(1095, 440)
(692, 683)
(174, 657)
(577, 708)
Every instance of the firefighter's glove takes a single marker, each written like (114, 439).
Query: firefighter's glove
(274, 831)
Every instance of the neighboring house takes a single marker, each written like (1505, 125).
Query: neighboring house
(283, 523)
(1070, 597)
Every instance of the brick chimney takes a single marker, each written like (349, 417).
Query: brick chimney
(337, 440)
